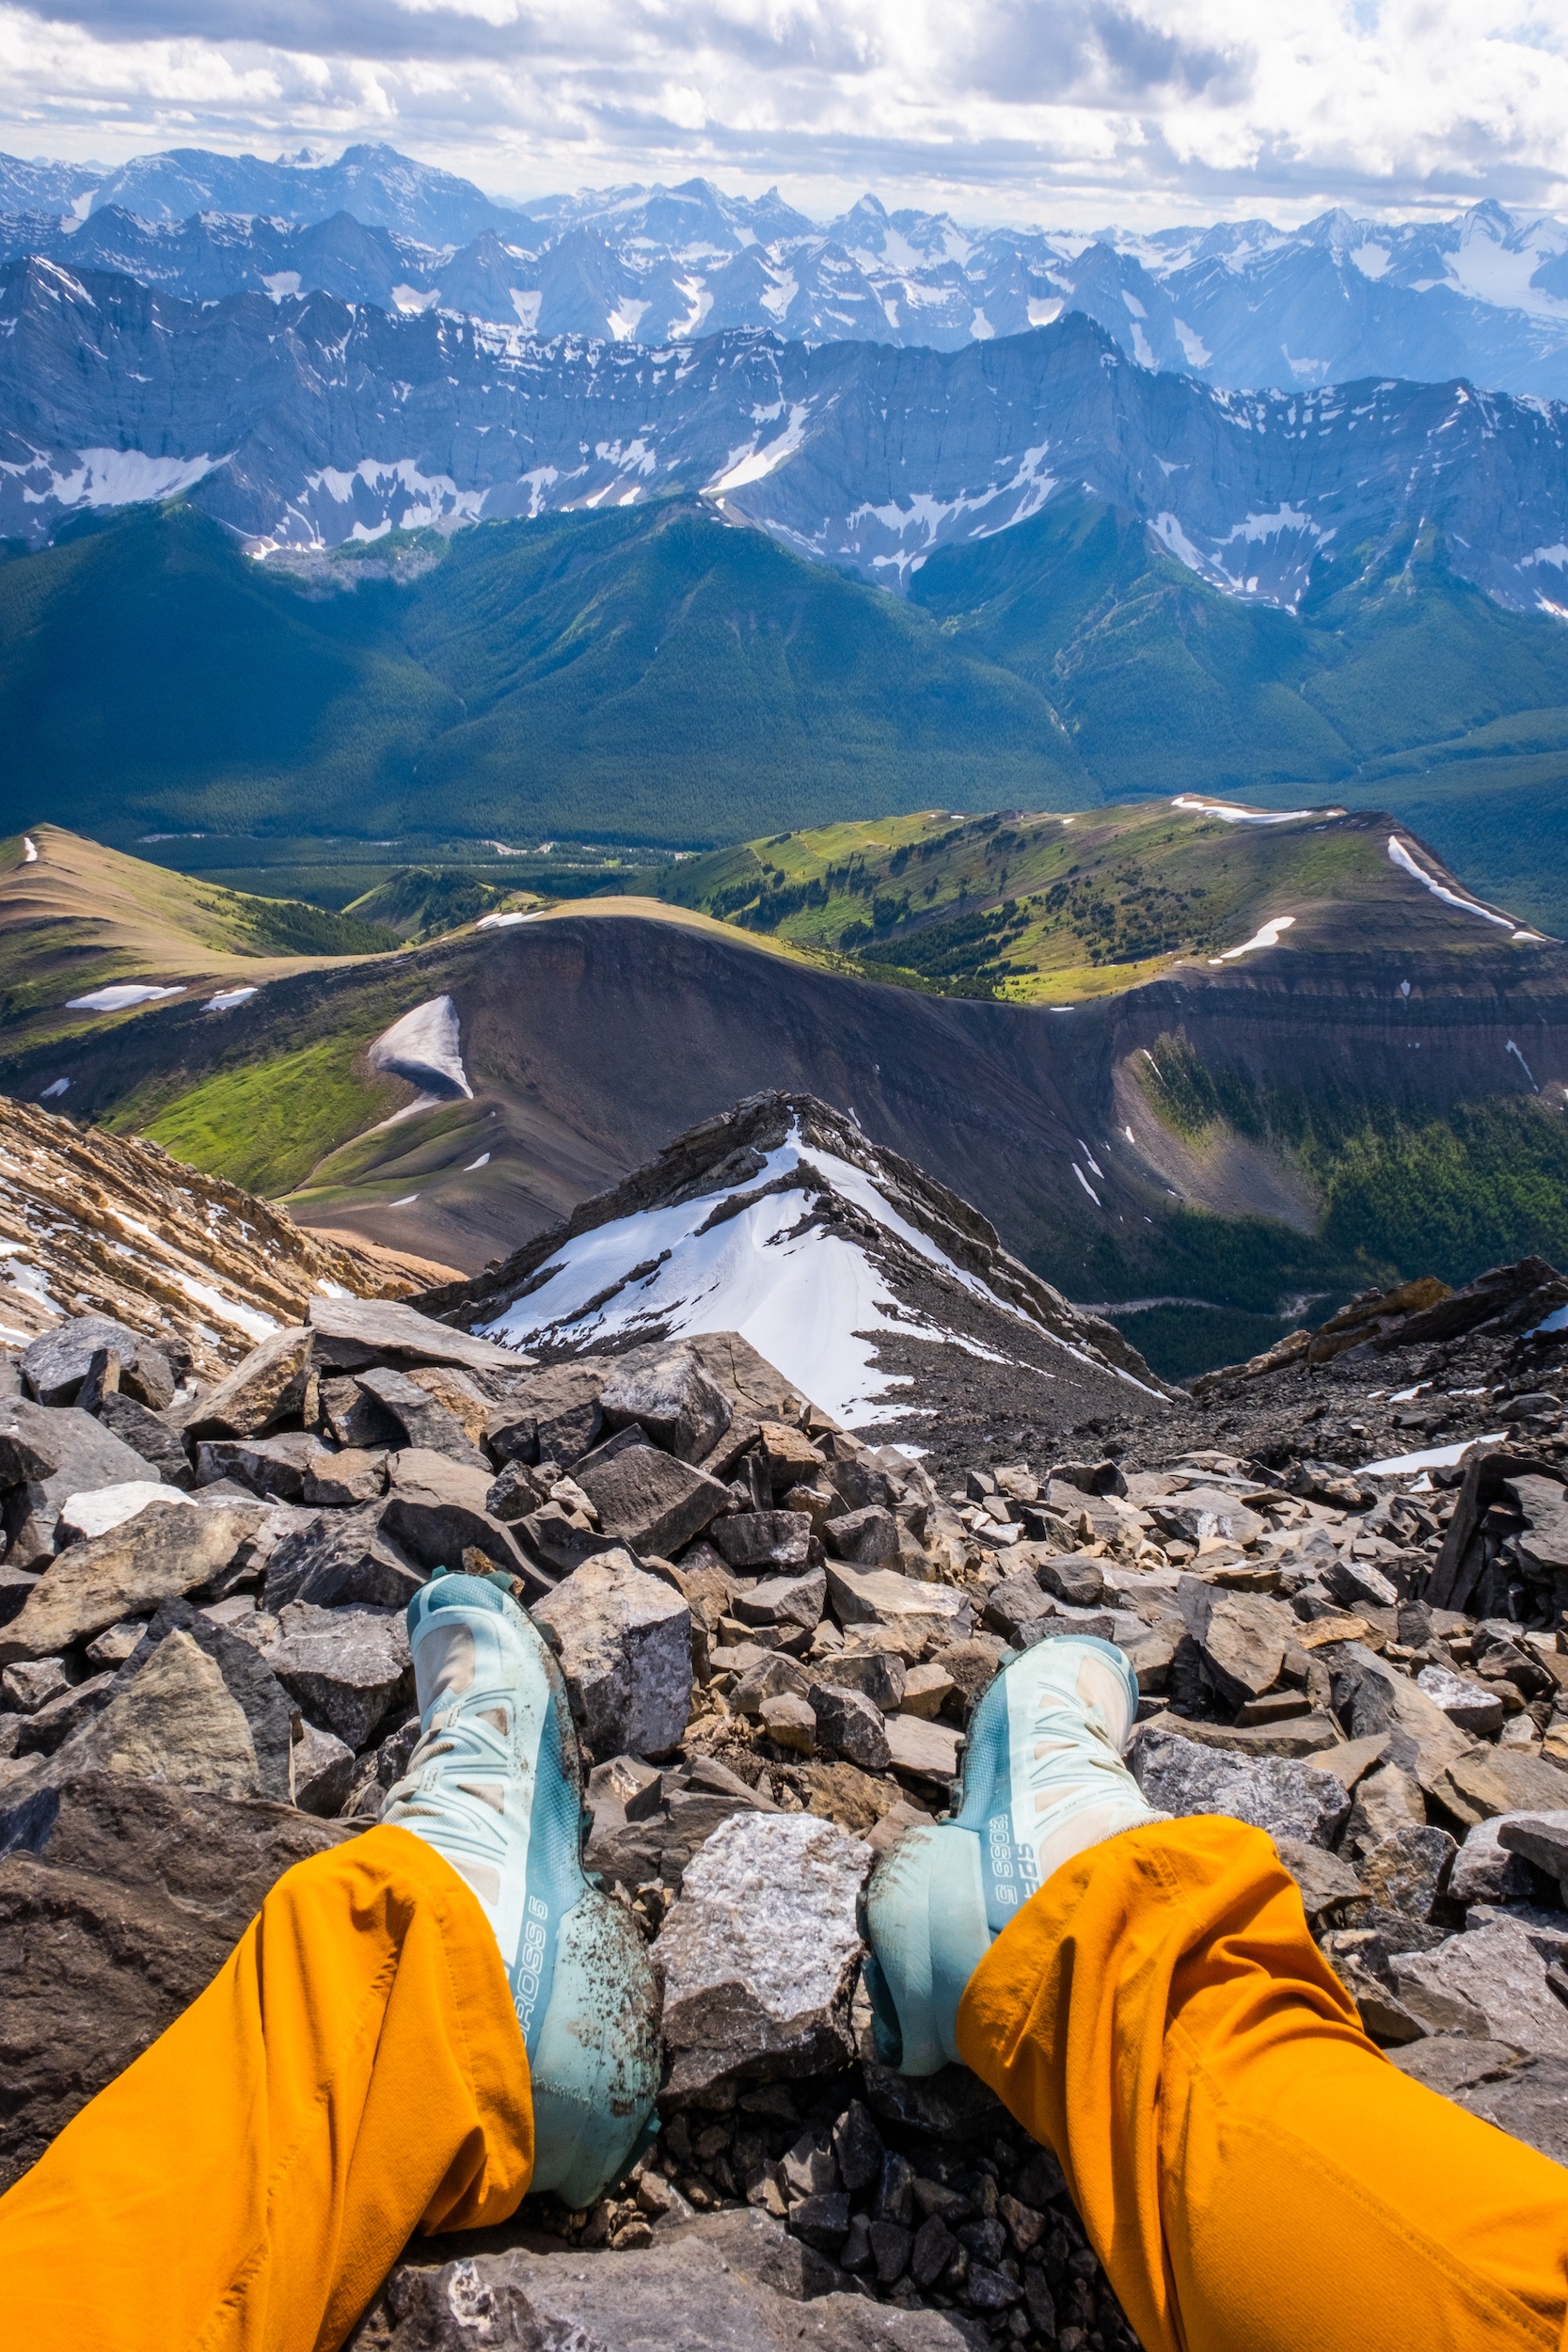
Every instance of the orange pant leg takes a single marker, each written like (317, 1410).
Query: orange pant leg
(354, 2071)
(1253, 2175)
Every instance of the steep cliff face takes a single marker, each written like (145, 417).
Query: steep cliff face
(309, 420)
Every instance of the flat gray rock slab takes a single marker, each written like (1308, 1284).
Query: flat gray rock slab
(136, 1889)
(759, 1955)
(175, 1719)
(351, 1332)
(1276, 1793)
(626, 1653)
(731, 2282)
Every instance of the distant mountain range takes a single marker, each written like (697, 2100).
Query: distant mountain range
(309, 421)
(1243, 305)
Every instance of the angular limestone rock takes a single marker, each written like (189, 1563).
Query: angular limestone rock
(435, 1512)
(914, 1613)
(55, 1365)
(785, 1600)
(346, 1667)
(759, 1956)
(156, 1556)
(267, 1387)
(754, 1540)
(1486, 1781)
(1242, 1636)
(323, 1767)
(1409, 1871)
(927, 1751)
(1485, 1871)
(175, 1719)
(673, 1398)
(848, 1724)
(626, 1651)
(1499, 1971)
(1540, 1837)
(649, 1499)
(550, 1416)
(341, 1558)
(867, 1537)
(422, 1418)
(1286, 1797)
(1469, 1705)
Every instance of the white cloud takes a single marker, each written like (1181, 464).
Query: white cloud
(1061, 110)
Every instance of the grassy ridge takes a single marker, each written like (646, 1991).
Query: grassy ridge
(1033, 909)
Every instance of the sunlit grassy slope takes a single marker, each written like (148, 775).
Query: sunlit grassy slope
(1042, 909)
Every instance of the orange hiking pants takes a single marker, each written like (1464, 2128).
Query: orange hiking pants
(1253, 2175)
(353, 2072)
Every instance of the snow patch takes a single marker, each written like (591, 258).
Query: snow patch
(504, 922)
(1435, 1457)
(1268, 936)
(226, 998)
(61, 1086)
(115, 999)
(1399, 856)
(424, 1048)
(249, 1320)
(110, 477)
(1233, 816)
(29, 850)
(751, 464)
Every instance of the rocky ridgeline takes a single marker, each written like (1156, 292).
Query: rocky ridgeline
(772, 1634)
(92, 1223)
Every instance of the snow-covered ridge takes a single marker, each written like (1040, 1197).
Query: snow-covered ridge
(756, 1256)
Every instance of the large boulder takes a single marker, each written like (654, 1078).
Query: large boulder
(1276, 1793)
(759, 1955)
(422, 1419)
(623, 1639)
(1483, 1782)
(268, 1386)
(550, 1416)
(346, 1667)
(57, 1362)
(353, 1332)
(1242, 1637)
(341, 1558)
(670, 1397)
(159, 1555)
(435, 1512)
(119, 1899)
(652, 1502)
(754, 1540)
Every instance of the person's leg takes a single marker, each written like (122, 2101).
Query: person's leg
(1253, 2175)
(1145, 1996)
(414, 2026)
(353, 2072)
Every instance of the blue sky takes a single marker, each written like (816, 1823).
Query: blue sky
(1075, 112)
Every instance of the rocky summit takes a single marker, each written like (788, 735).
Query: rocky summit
(1340, 1572)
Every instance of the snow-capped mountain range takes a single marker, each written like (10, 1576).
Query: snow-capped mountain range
(307, 421)
(1483, 295)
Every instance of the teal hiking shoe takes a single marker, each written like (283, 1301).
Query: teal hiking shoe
(1042, 1778)
(495, 1785)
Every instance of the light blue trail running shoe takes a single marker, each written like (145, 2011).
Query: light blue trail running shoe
(1042, 1778)
(495, 1785)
